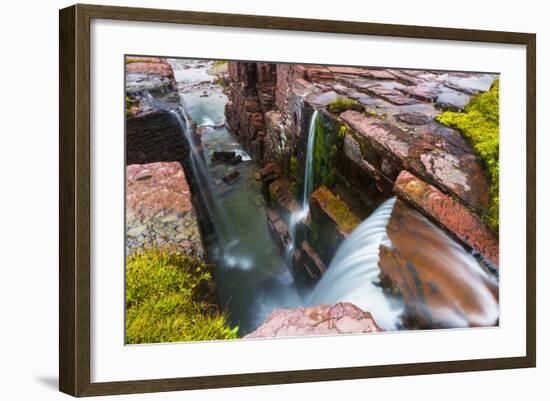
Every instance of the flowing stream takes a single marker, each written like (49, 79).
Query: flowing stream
(251, 276)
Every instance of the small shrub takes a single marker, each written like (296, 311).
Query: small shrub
(170, 297)
(479, 123)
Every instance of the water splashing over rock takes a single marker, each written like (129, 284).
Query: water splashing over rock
(353, 274)
(297, 217)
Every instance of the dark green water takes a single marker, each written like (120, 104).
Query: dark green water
(250, 274)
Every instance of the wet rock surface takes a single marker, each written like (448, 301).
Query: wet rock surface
(148, 75)
(391, 126)
(152, 135)
(341, 318)
(331, 222)
(461, 222)
(442, 285)
(390, 149)
(311, 262)
(159, 209)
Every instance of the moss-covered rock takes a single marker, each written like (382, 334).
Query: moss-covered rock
(294, 174)
(341, 104)
(479, 123)
(331, 221)
(170, 297)
(336, 209)
(328, 141)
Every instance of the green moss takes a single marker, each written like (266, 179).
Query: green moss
(294, 174)
(169, 297)
(343, 216)
(130, 60)
(336, 209)
(343, 103)
(325, 151)
(479, 123)
(130, 102)
(342, 131)
(218, 63)
(218, 68)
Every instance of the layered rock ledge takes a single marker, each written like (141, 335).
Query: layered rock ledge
(159, 211)
(453, 216)
(160, 206)
(372, 125)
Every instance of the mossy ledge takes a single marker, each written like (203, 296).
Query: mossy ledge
(338, 211)
(170, 298)
(341, 104)
(479, 123)
(325, 151)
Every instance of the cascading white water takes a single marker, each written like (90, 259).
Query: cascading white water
(308, 174)
(353, 274)
(198, 165)
(298, 216)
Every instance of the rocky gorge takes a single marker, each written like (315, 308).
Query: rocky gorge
(325, 199)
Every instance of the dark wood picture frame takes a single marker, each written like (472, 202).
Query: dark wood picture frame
(74, 203)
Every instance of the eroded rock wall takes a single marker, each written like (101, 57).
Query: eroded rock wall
(374, 125)
(162, 205)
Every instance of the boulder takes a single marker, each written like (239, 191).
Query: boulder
(231, 176)
(226, 157)
(341, 318)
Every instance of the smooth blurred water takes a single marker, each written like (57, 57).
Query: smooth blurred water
(297, 217)
(354, 275)
(251, 276)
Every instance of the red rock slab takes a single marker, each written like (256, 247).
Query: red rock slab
(378, 73)
(453, 170)
(386, 136)
(155, 186)
(317, 72)
(448, 213)
(442, 285)
(341, 318)
(425, 93)
(161, 68)
(347, 70)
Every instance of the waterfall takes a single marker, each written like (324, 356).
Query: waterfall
(199, 168)
(298, 216)
(308, 174)
(353, 274)
(198, 165)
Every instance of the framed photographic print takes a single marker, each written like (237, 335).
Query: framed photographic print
(250, 200)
